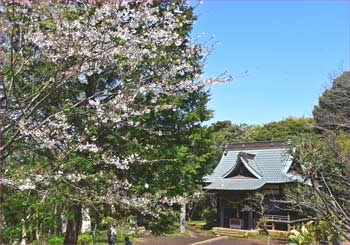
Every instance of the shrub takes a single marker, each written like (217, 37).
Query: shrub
(209, 216)
(101, 236)
(11, 233)
(162, 225)
(304, 236)
(85, 238)
(55, 239)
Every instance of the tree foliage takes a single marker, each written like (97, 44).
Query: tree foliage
(333, 110)
(290, 128)
(102, 104)
(225, 132)
(324, 161)
(324, 195)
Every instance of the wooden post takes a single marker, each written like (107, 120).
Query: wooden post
(250, 220)
(288, 222)
(273, 225)
(222, 214)
(217, 210)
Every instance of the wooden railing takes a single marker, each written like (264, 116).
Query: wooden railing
(278, 217)
(285, 219)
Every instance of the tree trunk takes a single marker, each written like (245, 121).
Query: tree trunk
(183, 217)
(2, 143)
(74, 225)
(2, 215)
(24, 233)
(52, 228)
(63, 223)
(86, 221)
(38, 231)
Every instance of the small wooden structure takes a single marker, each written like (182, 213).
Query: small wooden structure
(274, 234)
(271, 220)
(245, 169)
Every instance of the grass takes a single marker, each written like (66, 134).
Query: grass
(101, 238)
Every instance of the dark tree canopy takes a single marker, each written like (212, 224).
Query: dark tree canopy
(289, 128)
(226, 132)
(333, 110)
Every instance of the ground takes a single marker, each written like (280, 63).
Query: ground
(191, 236)
(194, 236)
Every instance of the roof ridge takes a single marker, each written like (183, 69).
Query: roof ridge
(259, 145)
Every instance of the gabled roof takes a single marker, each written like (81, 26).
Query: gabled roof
(268, 161)
(248, 162)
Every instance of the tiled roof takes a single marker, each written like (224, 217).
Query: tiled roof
(269, 164)
(251, 165)
(235, 184)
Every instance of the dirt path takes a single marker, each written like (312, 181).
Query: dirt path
(187, 240)
(191, 236)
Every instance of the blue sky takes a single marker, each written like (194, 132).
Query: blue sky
(288, 49)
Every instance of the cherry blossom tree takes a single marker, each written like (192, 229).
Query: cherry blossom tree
(77, 81)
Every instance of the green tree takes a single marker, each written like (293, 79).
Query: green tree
(289, 128)
(226, 132)
(326, 160)
(189, 153)
(333, 110)
(324, 195)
